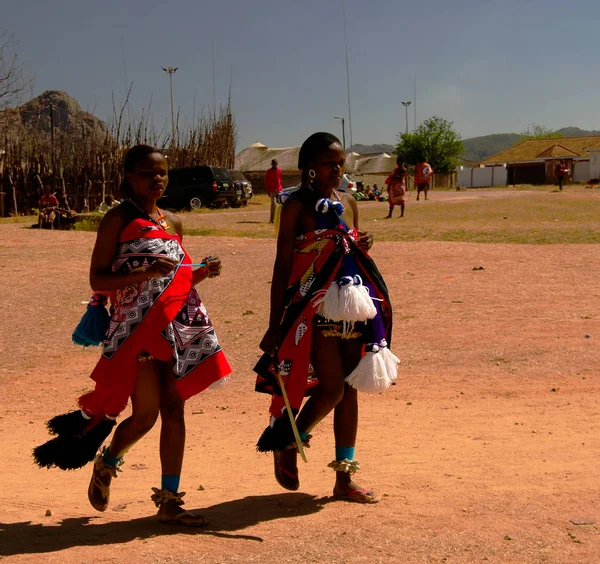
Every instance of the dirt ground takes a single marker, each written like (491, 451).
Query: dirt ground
(485, 450)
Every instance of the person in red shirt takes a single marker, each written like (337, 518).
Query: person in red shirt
(273, 186)
(48, 205)
(561, 171)
(423, 176)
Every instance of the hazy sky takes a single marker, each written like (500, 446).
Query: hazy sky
(490, 66)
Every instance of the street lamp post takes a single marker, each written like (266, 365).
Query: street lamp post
(171, 72)
(343, 120)
(406, 104)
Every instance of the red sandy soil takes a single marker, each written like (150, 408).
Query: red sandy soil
(485, 449)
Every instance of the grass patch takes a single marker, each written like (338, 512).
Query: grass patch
(522, 215)
(536, 217)
(31, 219)
(88, 221)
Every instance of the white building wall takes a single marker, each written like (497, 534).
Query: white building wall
(594, 165)
(581, 171)
(481, 177)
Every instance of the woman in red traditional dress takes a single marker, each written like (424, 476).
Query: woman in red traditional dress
(160, 347)
(330, 322)
(396, 183)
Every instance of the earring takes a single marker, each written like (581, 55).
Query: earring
(312, 174)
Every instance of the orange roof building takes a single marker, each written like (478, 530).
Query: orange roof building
(534, 161)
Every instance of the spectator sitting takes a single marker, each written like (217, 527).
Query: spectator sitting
(48, 205)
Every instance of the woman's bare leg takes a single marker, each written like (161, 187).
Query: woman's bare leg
(326, 359)
(172, 447)
(345, 422)
(145, 402)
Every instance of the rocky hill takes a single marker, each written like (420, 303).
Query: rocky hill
(55, 109)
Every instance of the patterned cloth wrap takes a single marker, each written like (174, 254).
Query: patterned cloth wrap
(162, 317)
(320, 257)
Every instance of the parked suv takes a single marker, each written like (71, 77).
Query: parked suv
(243, 187)
(198, 186)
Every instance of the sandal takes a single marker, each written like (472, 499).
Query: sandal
(285, 478)
(167, 501)
(359, 495)
(99, 488)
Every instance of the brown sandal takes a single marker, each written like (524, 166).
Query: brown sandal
(167, 501)
(99, 488)
(285, 478)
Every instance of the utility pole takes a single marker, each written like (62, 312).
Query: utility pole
(52, 136)
(347, 72)
(171, 72)
(343, 129)
(406, 104)
(415, 101)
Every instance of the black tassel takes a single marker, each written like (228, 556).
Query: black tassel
(69, 452)
(68, 424)
(278, 437)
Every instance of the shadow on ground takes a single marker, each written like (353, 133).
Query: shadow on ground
(224, 519)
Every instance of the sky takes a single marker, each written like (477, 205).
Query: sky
(488, 66)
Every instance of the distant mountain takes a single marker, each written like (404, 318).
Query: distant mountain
(479, 148)
(576, 132)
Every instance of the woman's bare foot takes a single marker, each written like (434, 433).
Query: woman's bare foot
(345, 489)
(171, 513)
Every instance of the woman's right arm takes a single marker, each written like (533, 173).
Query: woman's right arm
(290, 215)
(102, 278)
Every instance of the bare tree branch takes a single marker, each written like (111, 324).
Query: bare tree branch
(12, 80)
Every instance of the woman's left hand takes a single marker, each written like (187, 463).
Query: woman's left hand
(365, 240)
(213, 266)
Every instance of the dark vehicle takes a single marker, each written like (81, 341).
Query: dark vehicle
(198, 186)
(243, 187)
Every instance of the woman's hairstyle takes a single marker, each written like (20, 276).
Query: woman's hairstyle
(315, 144)
(134, 156)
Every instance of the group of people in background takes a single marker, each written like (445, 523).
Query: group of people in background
(396, 186)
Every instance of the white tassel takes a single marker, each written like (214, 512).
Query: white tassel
(329, 303)
(346, 300)
(370, 375)
(355, 301)
(391, 362)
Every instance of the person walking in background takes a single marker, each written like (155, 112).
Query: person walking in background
(561, 171)
(423, 176)
(273, 186)
(396, 183)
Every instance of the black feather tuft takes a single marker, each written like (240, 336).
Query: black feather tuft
(68, 424)
(277, 437)
(69, 452)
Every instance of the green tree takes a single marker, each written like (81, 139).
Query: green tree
(537, 131)
(434, 141)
